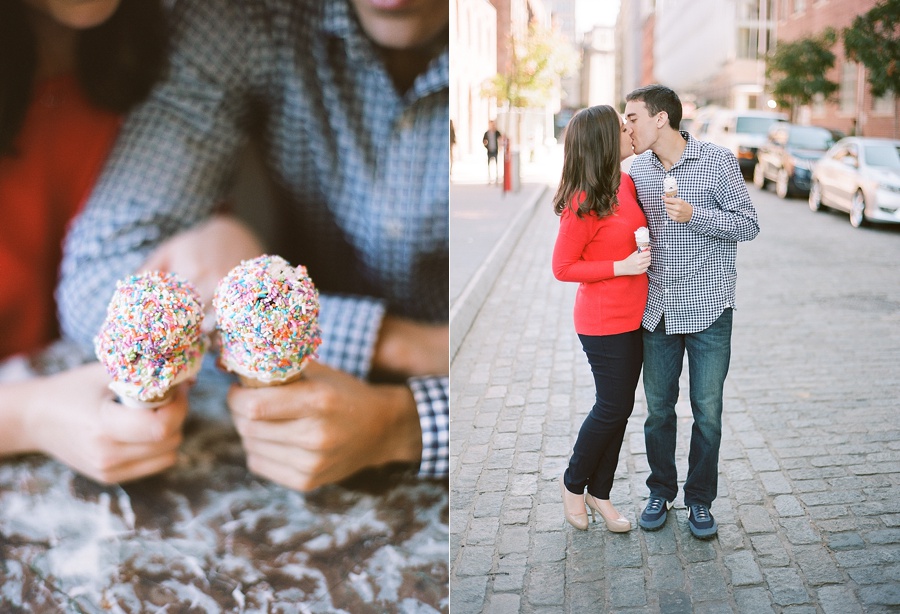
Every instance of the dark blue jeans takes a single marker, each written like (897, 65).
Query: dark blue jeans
(709, 354)
(616, 364)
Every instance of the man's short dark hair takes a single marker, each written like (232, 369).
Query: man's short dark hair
(659, 98)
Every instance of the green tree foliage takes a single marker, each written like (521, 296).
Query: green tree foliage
(796, 70)
(538, 62)
(874, 40)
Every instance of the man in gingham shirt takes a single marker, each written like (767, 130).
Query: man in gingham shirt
(693, 241)
(352, 100)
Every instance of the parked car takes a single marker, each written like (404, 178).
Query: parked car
(700, 123)
(742, 132)
(860, 175)
(787, 156)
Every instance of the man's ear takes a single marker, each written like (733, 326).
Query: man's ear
(665, 119)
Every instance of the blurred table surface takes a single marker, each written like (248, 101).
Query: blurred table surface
(207, 536)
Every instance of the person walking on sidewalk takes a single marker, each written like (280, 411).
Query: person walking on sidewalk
(491, 142)
(595, 247)
(694, 237)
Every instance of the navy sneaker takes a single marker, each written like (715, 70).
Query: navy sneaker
(655, 514)
(702, 523)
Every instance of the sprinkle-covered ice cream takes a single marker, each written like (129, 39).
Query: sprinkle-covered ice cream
(151, 339)
(267, 318)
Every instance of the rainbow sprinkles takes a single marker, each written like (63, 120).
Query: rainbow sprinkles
(267, 318)
(151, 339)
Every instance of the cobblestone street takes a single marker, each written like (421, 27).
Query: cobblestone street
(809, 482)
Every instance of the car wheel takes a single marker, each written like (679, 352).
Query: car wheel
(759, 177)
(815, 197)
(858, 210)
(782, 184)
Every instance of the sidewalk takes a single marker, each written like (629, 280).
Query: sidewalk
(809, 483)
(485, 225)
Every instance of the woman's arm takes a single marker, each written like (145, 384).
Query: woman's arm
(568, 263)
(74, 418)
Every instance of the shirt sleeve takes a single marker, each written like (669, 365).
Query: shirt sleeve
(735, 217)
(171, 162)
(350, 326)
(568, 261)
(432, 400)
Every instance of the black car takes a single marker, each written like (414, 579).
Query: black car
(787, 157)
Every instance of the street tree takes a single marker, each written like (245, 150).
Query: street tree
(796, 70)
(874, 40)
(537, 63)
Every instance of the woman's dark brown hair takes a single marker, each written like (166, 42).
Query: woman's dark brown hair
(591, 162)
(117, 62)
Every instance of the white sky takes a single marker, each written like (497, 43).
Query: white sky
(589, 13)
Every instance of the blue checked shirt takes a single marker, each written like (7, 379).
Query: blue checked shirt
(360, 170)
(693, 265)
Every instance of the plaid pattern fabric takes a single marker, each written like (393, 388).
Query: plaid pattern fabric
(693, 268)
(361, 171)
(431, 393)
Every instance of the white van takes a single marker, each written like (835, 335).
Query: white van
(743, 132)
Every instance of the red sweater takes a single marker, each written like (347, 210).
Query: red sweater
(585, 250)
(60, 152)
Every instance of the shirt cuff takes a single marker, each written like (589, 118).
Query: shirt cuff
(432, 400)
(350, 327)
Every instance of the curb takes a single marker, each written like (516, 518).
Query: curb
(466, 307)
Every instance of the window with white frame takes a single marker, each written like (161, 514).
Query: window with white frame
(818, 105)
(848, 88)
(883, 105)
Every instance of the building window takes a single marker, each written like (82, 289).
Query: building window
(799, 7)
(848, 87)
(883, 105)
(748, 10)
(818, 105)
(747, 43)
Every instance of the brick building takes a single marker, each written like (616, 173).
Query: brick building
(853, 109)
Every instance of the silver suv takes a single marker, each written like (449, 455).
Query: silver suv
(743, 132)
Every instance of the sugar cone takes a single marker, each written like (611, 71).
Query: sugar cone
(249, 382)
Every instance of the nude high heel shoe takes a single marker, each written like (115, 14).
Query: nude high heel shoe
(615, 521)
(573, 507)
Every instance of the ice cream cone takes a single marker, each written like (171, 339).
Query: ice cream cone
(267, 321)
(151, 339)
(642, 238)
(250, 382)
(670, 187)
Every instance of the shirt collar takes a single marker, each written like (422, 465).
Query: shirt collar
(435, 78)
(339, 20)
(691, 152)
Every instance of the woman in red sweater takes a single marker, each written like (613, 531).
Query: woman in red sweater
(69, 70)
(596, 248)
